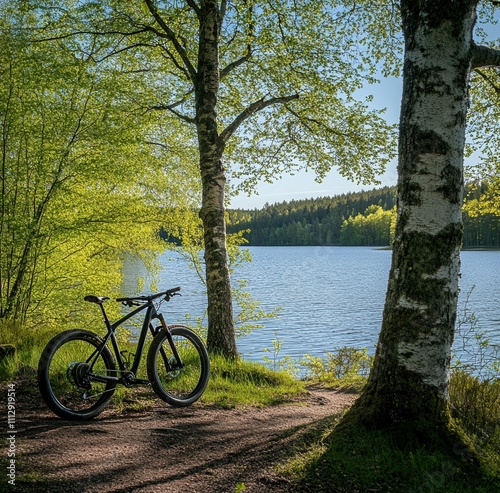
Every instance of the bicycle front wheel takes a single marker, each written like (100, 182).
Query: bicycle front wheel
(69, 371)
(178, 367)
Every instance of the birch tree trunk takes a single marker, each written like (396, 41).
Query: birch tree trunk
(221, 335)
(409, 380)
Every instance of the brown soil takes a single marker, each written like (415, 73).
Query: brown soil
(201, 448)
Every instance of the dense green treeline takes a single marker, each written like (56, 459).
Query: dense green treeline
(481, 215)
(481, 231)
(307, 222)
(361, 218)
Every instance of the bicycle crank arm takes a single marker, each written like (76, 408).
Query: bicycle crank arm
(103, 379)
(138, 381)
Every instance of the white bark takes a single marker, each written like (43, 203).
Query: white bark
(438, 101)
(409, 380)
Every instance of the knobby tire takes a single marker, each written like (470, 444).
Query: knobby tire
(64, 375)
(178, 386)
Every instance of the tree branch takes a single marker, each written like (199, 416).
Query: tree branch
(482, 56)
(488, 81)
(251, 110)
(231, 66)
(172, 38)
(115, 52)
(222, 14)
(171, 108)
(305, 120)
(93, 33)
(174, 105)
(222, 10)
(172, 58)
(159, 144)
(194, 6)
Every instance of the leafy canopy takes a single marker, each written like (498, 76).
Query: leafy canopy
(289, 79)
(83, 180)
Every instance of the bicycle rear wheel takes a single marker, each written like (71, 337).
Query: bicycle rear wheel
(67, 370)
(180, 383)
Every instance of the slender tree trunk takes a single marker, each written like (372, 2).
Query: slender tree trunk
(409, 380)
(221, 334)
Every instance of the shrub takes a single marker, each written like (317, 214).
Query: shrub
(344, 367)
(475, 385)
(476, 405)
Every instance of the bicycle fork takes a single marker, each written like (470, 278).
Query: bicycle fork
(168, 362)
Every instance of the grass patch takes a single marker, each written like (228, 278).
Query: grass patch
(475, 404)
(236, 383)
(352, 459)
(28, 344)
(231, 384)
(138, 398)
(22, 365)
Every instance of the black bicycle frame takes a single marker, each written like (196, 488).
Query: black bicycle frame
(150, 315)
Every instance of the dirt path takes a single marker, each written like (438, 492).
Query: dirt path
(200, 449)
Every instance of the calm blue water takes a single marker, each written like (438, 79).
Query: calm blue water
(329, 296)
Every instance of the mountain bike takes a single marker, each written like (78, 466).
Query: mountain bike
(77, 373)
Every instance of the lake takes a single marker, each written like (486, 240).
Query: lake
(329, 296)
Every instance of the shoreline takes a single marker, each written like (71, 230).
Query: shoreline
(374, 247)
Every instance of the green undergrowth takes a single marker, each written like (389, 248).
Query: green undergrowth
(475, 405)
(28, 344)
(343, 368)
(241, 383)
(352, 459)
(232, 384)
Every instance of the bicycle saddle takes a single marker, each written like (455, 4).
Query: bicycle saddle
(96, 299)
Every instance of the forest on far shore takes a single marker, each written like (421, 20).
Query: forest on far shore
(364, 218)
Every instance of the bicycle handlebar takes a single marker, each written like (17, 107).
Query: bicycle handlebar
(168, 294)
